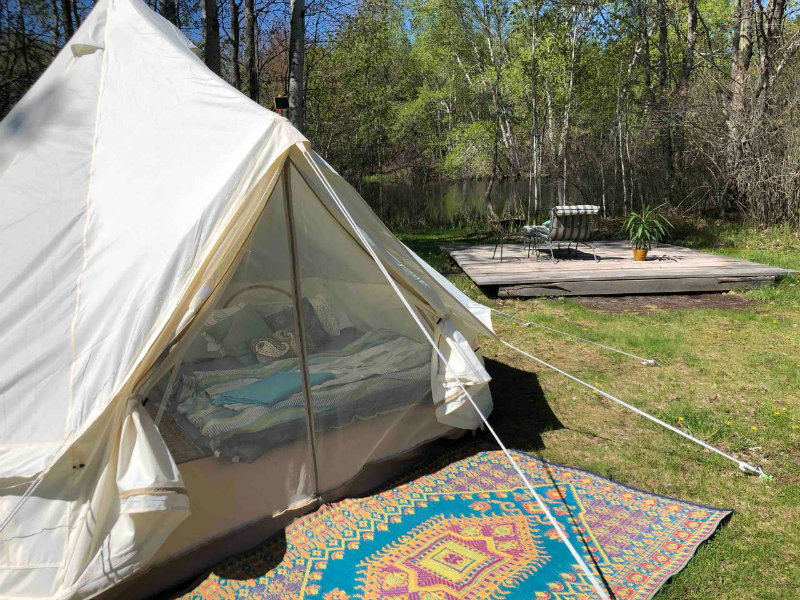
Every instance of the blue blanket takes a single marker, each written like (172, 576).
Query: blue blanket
(273, 389)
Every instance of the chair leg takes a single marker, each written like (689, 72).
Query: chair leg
(552, 256)
(594, 254)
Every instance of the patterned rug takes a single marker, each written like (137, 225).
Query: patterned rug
(471, 532)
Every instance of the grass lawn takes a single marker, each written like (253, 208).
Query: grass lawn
(731, 377)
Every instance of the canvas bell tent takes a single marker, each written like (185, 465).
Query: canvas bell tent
(204, 327)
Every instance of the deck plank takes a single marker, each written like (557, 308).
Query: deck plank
(669, 269)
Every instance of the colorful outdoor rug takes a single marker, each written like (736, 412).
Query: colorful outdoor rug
(471, 532)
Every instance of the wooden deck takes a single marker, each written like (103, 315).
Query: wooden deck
(668, 269)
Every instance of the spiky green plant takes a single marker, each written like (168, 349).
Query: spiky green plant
(647, 227)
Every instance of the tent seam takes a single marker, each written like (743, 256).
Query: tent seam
(88, 208)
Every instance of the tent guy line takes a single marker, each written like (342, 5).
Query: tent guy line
(601, 592)
(743, 465)
(27, 494)
(646, 362)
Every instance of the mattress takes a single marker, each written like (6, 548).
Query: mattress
(366, 375)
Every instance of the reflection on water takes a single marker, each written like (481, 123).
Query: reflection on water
(445, 204)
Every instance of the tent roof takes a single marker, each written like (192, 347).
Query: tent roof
(127, 174)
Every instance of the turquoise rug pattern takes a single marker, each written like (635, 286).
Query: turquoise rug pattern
(471, 531)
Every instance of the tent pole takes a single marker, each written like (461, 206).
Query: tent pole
(301, 338)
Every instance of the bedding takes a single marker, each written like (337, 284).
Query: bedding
(234, 333)
(285, 323)
(268, 391)
(240, 412)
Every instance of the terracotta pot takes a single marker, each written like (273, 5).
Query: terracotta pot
(640, 254)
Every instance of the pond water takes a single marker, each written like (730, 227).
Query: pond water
(446, 204)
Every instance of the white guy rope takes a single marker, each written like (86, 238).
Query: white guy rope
(22, 499)
(743, 466)
(15, 485)
(556, 525)
(647, 362)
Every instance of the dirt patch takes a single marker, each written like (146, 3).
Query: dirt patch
(652, 303)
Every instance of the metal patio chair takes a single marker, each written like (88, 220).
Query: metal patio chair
(570, 224)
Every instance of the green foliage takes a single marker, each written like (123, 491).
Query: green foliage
(470, 150)
(647, 227)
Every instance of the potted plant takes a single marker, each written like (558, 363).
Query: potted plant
(644, 229)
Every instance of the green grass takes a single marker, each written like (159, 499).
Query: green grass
(730, 377)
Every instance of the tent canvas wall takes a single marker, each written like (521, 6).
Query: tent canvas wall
(174, 252)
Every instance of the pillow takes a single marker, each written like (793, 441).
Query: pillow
(282, 344)
(328, 319)
(284, 322)
(236, 331)
(204, 347)
(219, 315)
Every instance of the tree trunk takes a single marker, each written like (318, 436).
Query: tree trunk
(644, 37)
(487, 197)
(66, 16)
(211, 35)
(691, 40)
(250, 49)
(237, 71)
(297, 48)
(75, 14)
(169, 10)
(563, 149)
(665, 119)
(533, 184)
(770, 32)
(687, 66)
(620, 146)
(740, 65)
(56, 26)
(23, 40)
(663, 72)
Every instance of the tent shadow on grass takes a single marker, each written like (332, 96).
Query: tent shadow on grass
(520, 416)
(521, 413)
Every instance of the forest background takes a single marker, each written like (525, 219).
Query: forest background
(689, 102)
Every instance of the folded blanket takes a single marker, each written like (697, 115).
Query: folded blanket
(376, 355)
(267, 391)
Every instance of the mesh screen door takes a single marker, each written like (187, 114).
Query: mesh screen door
(369, 365)
(308, 368)
(239, 394)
